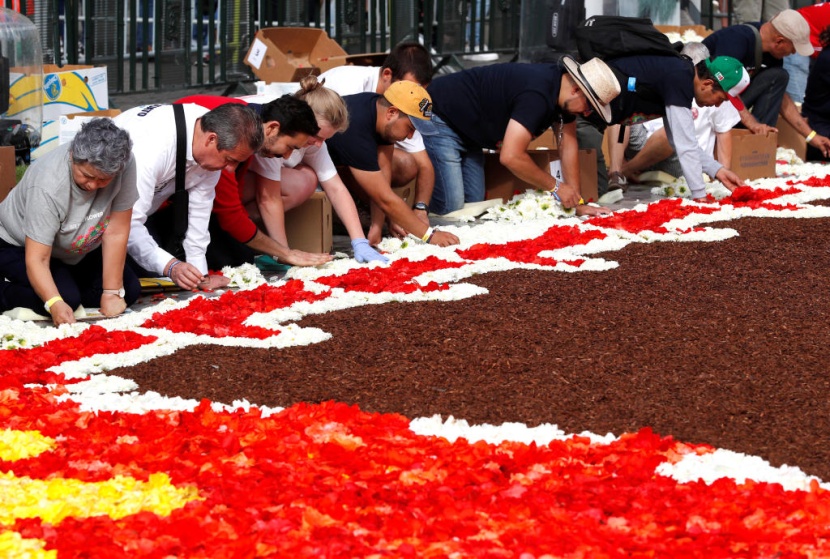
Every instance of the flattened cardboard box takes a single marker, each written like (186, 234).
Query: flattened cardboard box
(8, 176)
(308, 226)
(288, 54)
(753, 155)
(499, 182)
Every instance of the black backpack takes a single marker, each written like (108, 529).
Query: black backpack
(563, 16)
(609, 37)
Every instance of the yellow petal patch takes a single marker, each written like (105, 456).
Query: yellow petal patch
(16, 445)
(14, 545)
(55, 499)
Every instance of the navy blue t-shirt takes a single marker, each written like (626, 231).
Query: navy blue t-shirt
(357, 147)
(479, 103)
(661, 81)
(816, 105)
(738, 41)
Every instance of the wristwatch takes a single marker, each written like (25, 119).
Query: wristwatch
(421, 206)
(116, 292)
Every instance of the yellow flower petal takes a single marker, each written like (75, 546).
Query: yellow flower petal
(55, 499)
(14, 545)
(16, 445)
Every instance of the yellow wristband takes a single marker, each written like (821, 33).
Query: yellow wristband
(811, 135)
(52, 301)
(428, 235)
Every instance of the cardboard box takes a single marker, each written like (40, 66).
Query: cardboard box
(8, 176)
(407, 193)
(69, 125)
(753, 155)
(499, 182)
(288, 54)
(308, 226)
(546, 141)
(65, 90)
(790, 138)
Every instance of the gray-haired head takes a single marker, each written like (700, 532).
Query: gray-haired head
(234, 124)
(696, 51)
(103, 145)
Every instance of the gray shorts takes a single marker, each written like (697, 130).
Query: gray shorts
(639, 135)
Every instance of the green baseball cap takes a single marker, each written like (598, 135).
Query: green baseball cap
(731, 76)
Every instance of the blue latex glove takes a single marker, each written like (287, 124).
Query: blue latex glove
(364, 253)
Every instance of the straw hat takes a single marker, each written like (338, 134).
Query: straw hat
(597, 81)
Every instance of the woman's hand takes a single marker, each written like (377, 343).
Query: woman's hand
(112, 305)
(61, 313)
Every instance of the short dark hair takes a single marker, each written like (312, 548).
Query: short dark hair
(409, 58)
(703, 73)
(294, 115)
(233, 123)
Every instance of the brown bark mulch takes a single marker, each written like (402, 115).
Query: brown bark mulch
(723, 343)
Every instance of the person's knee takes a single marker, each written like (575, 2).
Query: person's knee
(404, 168)
(298, 184)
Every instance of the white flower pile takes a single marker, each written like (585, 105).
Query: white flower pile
(676, 189)
(529, 206)
(246, 276)
(688, 36)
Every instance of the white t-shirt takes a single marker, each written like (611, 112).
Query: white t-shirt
(153, 131)
(708, 121)
(348, 80)
(317, 158)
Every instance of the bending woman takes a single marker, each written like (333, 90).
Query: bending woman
(64, 228)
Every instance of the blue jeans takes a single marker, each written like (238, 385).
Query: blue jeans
(798, 67)
(459, 169)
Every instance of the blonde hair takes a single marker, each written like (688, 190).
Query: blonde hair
(326, 103)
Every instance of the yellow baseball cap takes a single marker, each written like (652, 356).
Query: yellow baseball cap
(414, 101)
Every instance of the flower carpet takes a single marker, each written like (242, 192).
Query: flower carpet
(91, 465)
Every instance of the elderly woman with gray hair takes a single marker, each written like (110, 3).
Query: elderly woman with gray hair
(64, 228)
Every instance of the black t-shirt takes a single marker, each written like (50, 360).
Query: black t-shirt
(479, 103)
(661, 81)
(817, 97)
(357, 147)
(738, 41)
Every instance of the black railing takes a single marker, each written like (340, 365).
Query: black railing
(157, 44)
